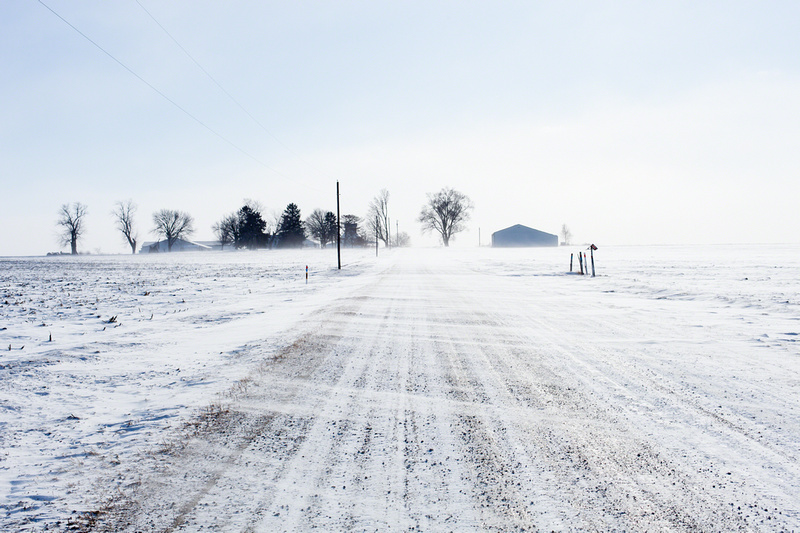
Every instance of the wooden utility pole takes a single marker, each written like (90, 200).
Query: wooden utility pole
(338, 229)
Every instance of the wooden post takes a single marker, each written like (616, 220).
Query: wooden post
(306, 274)
(580, 261)
(570, 261)
(591, 252)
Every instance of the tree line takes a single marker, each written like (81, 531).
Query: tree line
(444, 213)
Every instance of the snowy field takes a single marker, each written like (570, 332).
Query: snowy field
(430, 390)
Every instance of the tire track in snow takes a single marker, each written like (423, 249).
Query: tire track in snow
(634, 458)
(424, 402)
(401, 433)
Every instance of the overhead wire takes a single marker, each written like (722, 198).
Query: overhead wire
(225, 91)
(160, 93)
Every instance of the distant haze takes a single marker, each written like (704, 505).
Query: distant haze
(633, 123)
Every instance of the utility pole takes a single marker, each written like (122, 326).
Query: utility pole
(338, 229)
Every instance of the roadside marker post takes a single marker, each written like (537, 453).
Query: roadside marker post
(583, 261)
(306, 274)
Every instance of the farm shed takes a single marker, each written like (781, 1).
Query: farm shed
(519, 235)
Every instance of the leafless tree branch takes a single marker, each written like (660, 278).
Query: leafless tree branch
(123, 214)
(71, 219)
(446, 213)
(173, 225)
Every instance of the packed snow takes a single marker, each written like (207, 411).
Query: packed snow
(431, 390)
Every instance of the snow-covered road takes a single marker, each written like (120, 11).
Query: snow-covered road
(441, 392)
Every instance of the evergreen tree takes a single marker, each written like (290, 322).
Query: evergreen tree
(291, 233)
(330, 227)
(250, 228)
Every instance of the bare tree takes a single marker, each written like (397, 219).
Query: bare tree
(254, 205)
(378, 216)
(123, 214)
(273, 220)
(322, 226)
(446, 213)
(401, 240)
(71, 219)
(173, 225)
(566, 234)
(227, 229)
(315, 224)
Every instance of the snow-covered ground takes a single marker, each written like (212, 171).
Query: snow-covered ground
(79, 393)
(430, 390)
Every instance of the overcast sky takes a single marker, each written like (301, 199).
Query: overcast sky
(631, 122)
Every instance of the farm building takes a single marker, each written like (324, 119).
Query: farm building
(179, 245)
(519, 235)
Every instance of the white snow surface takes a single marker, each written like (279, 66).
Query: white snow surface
(425, 390)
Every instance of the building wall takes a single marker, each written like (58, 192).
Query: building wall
(520, 235)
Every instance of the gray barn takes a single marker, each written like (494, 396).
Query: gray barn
(519, 235)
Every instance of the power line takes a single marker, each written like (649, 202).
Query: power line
(228, 94)
(167, 98)
(208, 74)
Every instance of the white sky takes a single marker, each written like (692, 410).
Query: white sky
(631, 122)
